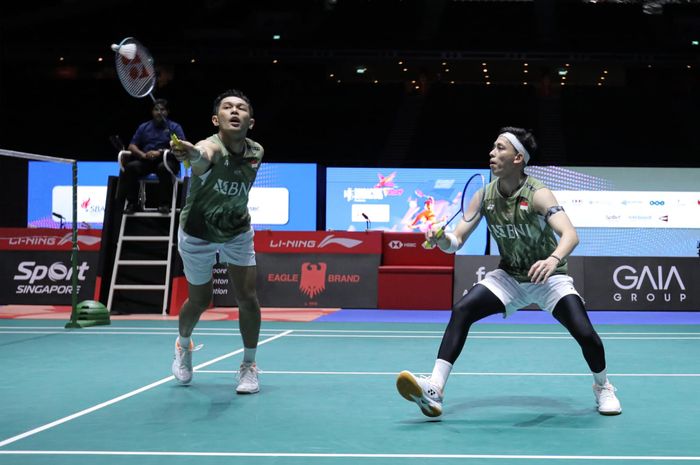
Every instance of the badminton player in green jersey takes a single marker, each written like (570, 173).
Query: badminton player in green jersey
(523, 217)
(215, 219)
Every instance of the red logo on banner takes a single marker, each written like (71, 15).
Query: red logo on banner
(313, 278)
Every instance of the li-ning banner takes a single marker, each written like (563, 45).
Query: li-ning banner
(311, 269)
(613, 283)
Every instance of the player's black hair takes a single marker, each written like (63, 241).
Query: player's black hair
(231, 93)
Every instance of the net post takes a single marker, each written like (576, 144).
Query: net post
(73, 323)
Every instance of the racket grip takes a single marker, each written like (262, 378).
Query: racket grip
(429, 245)
(176, 141)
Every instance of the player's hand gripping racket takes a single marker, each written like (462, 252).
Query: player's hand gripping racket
(472, 197)
(176, 144)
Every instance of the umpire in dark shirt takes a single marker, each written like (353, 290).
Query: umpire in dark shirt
(147, 146)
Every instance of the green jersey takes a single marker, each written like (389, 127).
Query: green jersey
(217, 203)
(522, 235)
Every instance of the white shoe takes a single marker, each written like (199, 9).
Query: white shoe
(421, 391)
(607, 401)
(182, 362)
(248, 378)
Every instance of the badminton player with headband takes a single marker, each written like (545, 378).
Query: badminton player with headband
(523, 216)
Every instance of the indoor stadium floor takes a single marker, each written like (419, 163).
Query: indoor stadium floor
(520, 393)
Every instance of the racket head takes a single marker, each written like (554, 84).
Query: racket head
(137, 75)
(473, 197)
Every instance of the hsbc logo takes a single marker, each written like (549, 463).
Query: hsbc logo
(396, 244)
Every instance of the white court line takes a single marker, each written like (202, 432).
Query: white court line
(173, 332)
(103, 329)
(393, 373)
(109, 329)
(662, 458)
(124, 396)
(472, 335)
(478, 336)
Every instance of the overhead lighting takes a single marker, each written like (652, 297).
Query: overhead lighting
(276, 37)
(563, 71)
(361, 70)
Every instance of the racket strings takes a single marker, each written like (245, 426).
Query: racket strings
(137, 75)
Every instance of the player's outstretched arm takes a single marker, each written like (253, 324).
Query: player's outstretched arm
(200, 156)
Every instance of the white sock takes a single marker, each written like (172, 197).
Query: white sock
(441, 371)
(184, 342)
(249, 355)
(601, 378)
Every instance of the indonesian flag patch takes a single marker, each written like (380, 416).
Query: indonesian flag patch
(523, 204)
(252, 161)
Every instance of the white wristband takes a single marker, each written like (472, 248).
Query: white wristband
(454, 244)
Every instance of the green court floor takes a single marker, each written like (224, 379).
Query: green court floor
(520, 394)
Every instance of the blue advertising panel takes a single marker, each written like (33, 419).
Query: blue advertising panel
(398, 199)
(628, 212)
(282, 198)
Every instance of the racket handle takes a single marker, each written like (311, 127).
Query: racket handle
(429, 245)
(176, 141)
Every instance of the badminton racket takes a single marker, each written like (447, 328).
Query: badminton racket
(135, 68)
(470, 205)
(134, 65)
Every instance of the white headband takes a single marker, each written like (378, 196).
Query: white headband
(518, 146)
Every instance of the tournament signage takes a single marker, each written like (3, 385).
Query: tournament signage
(612, 283)
(36, 268)
(469, 270)
(643, 283)
(311, 269)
